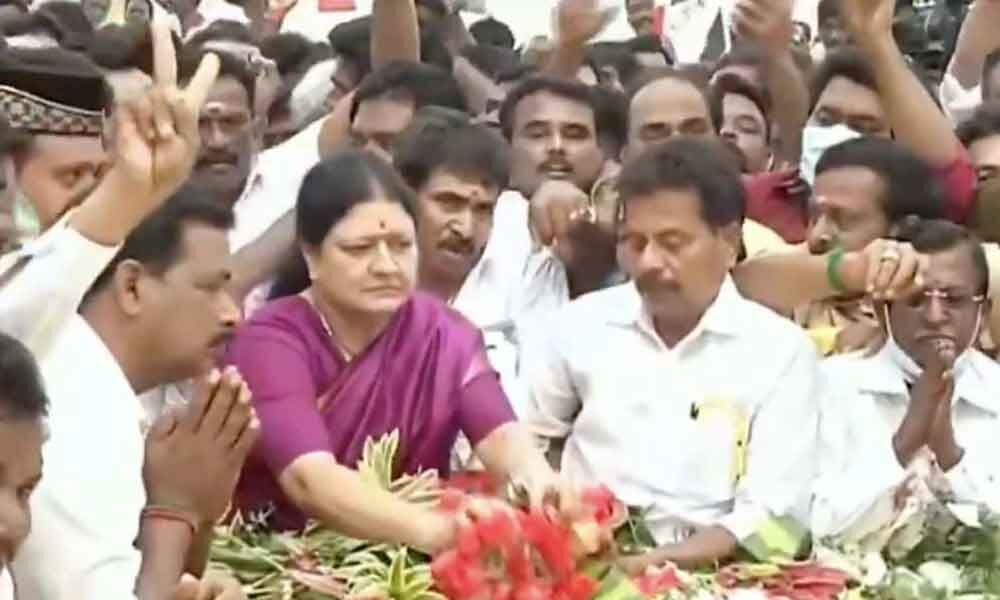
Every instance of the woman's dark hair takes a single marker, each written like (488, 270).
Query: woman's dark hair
(22, 392)
(329, 192)
(336, 185)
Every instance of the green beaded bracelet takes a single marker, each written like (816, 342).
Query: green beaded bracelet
(833, 270)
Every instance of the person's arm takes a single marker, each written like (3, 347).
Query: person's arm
(769, 24)
(916, 121)
(395, 33)
(163, 545)
(455, 34)
(476, 87)
(336, 128)
(38, 298)
(859, 471)
(258, 261)
(707, 546)
(34, 304)
(337, 497)
(977, 38)
(785, 281)
(200, 550)
(790, 104)
(295, 446)
(553, 402)
(503, 445)
(577, 22)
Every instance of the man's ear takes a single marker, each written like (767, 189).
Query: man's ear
(732, 235)
(127, 283)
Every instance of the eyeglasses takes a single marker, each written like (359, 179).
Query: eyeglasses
(950, 300)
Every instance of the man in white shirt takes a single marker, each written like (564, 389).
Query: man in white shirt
(923, 407)
(83, 510)
(23, 405)
(660, 386)
(117, 513)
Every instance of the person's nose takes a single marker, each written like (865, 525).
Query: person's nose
(935, 312)
(212, 135)
(384, 263)
(556, 144)
(822, 236)
(230, 314)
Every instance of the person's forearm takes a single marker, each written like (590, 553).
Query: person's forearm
(566, 60)
(977, 38)
(706, 547)
(790, 104)
(341, 500)
(395, 33)
(784, 281)
(200, 551)
(336, 127)
(510, 453)
(916, 121)
(103, 217)
(476, 87)
(164, 546)
(260, 260)
(456, 35)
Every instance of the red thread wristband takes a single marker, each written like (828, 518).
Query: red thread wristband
(166, 513)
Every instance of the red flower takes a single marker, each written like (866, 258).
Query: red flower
(498, 531)
(451, 500)
(579, 587)
(656, 582)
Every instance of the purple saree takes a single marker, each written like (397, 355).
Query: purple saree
(426, 376)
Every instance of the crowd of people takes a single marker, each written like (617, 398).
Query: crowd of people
(752, 288)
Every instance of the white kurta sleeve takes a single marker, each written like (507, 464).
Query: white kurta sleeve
(781, 452)
(857, 472)
(553, 402)
(42, 285)
(976, 479)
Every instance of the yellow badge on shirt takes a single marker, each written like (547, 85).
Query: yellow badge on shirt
(718, 408)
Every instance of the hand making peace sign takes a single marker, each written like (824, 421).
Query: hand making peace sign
(156, 138)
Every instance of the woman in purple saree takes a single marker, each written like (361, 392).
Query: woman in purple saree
(359, 354)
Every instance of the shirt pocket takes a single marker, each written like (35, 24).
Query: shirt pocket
(710, 454)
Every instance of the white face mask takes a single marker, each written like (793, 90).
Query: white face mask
(26, 221)
(815, 141)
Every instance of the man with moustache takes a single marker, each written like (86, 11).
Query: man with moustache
(920, 416)
(733, 460)
(87, 545)
(458, 170)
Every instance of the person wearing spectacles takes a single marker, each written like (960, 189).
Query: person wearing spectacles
(919, 420)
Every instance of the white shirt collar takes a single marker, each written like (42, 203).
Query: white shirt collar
(879, 374)
(721, 317)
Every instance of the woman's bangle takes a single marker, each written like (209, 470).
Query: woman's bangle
(833, 261)
(167, 513)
